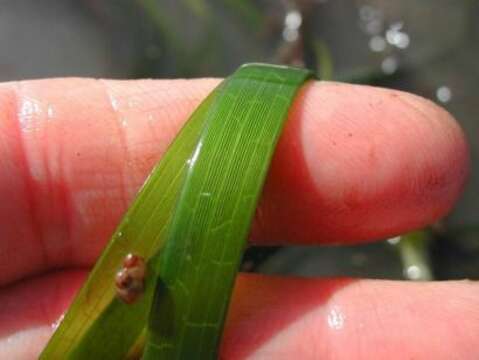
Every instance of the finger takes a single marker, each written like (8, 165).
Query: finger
(360, 163)
(280, 318)
(287, 318)
(31, 310)
(353, 163)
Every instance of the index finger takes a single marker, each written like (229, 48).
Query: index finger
(354, 163)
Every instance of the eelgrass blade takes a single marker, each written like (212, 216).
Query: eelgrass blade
(98, 325)
(211, 221)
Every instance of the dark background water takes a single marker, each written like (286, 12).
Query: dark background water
(428, 47)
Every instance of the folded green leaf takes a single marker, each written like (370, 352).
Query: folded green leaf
(97, 323)
(211, 222)
(199, 200)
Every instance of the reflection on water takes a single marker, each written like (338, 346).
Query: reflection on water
(443, 94)
(292, 23)
(396, 37)
(336, 318)
(390, 65)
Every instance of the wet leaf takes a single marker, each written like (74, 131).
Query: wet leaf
(190, 223)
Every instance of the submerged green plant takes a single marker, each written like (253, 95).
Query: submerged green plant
(190, 224)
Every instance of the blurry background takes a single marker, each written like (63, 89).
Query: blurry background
(428, 47)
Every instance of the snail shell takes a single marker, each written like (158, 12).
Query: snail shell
(130, 279)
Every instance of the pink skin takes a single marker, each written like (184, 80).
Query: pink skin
(354, 163)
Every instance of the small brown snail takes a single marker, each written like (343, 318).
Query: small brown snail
(130, 279)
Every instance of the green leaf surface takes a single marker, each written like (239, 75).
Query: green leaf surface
(211, 222)
(199, 201)
(97, 323)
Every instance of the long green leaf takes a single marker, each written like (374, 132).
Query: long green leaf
(212, 218)
(97, 323)
(223, 152)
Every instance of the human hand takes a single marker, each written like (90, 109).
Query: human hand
(353, 164)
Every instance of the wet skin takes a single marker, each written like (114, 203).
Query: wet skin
(353, 164)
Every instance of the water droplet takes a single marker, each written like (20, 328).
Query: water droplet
(395, 240)
(119, 234)
(377, 43)
(57, 323)
(114, 103)
(397, 38)
(396, 26)
(29, 107)
(336, 318)
(28, 110)
(293, 19)
(444, 94)
(413, 272)
(290, 35)
(389, 65)
(191, 161)
(371, 20)
(50, 111)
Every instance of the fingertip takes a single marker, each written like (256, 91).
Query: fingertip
(361, 163)
(390, 161)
